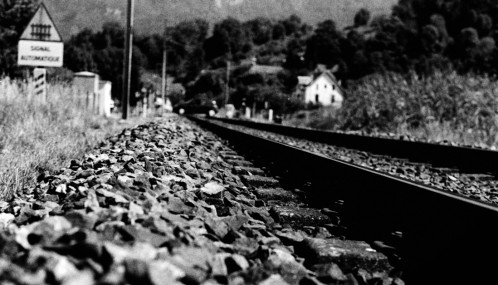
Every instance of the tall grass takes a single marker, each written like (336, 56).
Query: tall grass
(441, 107)
(37, 136)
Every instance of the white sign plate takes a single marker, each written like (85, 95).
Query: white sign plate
(40, 53)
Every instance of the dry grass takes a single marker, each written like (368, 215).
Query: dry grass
(449, 107)
(38, 137)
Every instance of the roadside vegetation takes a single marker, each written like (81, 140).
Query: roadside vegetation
(444, 106)
(426, 70)
(418, 35)
(37, 137)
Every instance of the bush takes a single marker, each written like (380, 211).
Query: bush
(38, 137)
(385, 102)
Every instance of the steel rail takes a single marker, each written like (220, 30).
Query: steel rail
(466, 159)
(447, 238)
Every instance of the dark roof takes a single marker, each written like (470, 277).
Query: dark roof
(304, 80)
(331, 76)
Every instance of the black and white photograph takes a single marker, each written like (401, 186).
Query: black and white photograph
(265, 142)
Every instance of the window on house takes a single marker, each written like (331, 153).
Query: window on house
(333, 87)
(325, 86)
(316, 98)
(333, 99)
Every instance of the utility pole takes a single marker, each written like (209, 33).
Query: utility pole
(165, 58)
(163, 80)
(230, 56)
(127, 59)
(228, 81)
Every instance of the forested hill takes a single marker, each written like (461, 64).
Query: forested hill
(74, 15)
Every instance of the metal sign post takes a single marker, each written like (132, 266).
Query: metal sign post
(163, 80)
(164, 66)
(40, 82)
(227, 91)
(40, 43)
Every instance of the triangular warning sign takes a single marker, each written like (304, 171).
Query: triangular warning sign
(41, 27)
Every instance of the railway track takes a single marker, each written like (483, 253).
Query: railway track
(467, 171)
(447, 237)
(462, 157)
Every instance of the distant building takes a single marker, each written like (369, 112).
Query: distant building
(265, 69)
(261, 69)
(86, 82)
(323, 88)
(96, 92)
(106, 104)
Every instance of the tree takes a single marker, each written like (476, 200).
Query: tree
(484, 25)
(152, 48)
(216, 46)
(278, 32)
(485, 51)
(261, 30)
(354, 54)
(292, 24)
(392, 45)
(361, 18)
(430, 39)
(113, 34)
(468, 48)
(209, 83)
(439, 22)
(14, 16)
(405, 12)
(486, 46)
(324, 46)
(469, 40)
(78, 58)
(230, 34)
(294, 58)
(185, 48)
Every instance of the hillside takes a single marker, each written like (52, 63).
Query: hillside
(72, 16)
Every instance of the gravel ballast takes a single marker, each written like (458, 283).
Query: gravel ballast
(169, 203)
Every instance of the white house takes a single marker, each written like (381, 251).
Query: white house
(323, 88)
(95, 92)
